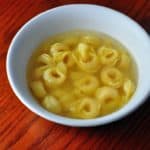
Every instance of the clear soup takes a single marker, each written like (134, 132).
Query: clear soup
(82, 74)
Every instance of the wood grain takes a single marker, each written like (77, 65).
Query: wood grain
(21, 129)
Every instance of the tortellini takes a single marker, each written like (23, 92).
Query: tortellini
(124, 62)
(106, 94)
(57, 48)
(88, 108)
(88, 84)
(91, 40)
(108, 56)
(128, 88)
(85, 108)
(45, 59)
(86, 58)
(109, 99)
(54, 76)
(38, 72)
(65, 57)
(81, 75)
(38, 89)
(52, 104)
(112, 77)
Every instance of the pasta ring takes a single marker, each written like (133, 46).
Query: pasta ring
(53, 77)
(108, 56)
(106, 94)
(112, 77)
(58, 47)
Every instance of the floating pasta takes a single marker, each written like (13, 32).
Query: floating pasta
(45, 59)
(83, 48)
(54, 76)
(65, 57)
(38, 89)
(109, 99)
(52, 104)
(91, 40)
(124, 61)
(106, 94)
(67, 100)
(110, 107)
(112, 77)
(85, 108)
(128, 88)
(64, 99)
(38, 72)
(58, 47)
(61, 67)
(108, 56)
(88, 84)
(86, 58)
(88, 108)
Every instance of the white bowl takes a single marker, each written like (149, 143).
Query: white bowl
(78, 16)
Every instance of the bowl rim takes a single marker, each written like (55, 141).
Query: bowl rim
(61, 119)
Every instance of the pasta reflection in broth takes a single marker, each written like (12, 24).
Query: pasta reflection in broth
(82, 74)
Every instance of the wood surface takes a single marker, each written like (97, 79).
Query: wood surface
(21, 129)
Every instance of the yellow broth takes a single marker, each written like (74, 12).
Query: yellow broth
(82, 74)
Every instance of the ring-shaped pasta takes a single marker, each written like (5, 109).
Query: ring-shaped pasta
(58, 47)
(38, 89)
(61, 67)
(38, 72)
(83, 49)
(128, 88)
(86, 58)
(45, 59)
(88, 108)
(84, 108)
(91, 40)
(53, 77)
(106, 94)
(109, 99)
(65, 57)
(88, 84)
(112, 77)
(124, 61)
(91, 64)
(108, 56)
(52, 104)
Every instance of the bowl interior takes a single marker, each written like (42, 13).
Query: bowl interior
(72, 17)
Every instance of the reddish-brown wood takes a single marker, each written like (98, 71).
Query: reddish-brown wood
(21, 129)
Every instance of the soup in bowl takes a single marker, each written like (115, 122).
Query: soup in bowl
(82, 74)
(80, 65)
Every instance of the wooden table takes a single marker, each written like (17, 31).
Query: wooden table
(21, 129)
